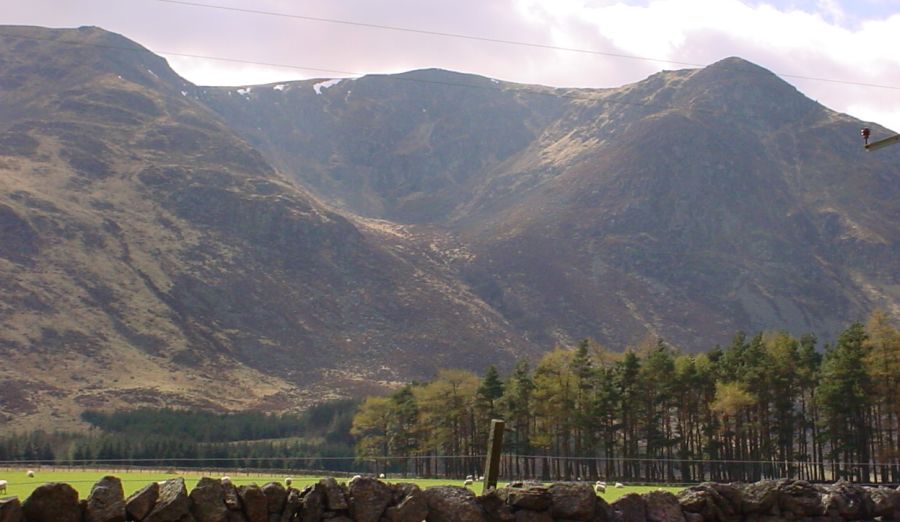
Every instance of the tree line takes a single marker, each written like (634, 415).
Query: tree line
(315, 439)
(768, 405)
(201, 426)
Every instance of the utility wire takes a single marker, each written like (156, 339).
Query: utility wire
(140, 49)
(500, 41)
(556, 92)
(426, 32)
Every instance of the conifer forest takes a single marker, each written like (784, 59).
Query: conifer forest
(765, 406)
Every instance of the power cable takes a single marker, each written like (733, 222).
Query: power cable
(141, 49)
(426, 32)
(557, 92)
(520, 43)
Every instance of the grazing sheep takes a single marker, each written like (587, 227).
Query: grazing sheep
(30, 473)
(2, 486)
(599, 488)
(467, 483)
(381, 475)
(470, 477)
(355, 477)
(619, 485)
(481, 478)
(288, 481)
(225, 480)
(600, 483)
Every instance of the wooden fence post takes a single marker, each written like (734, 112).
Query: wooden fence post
(492, 462)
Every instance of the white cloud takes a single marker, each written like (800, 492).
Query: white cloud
(815, 38)
(832, 9)
(218, 73)
(787, 41)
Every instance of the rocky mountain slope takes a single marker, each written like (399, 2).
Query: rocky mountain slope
(687, 206)
(263, 247)
(150, 256)
(737, 204)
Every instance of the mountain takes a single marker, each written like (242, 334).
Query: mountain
(708, 201)
(270, 246)
(686, 206)
(409, 148)
(151, 256)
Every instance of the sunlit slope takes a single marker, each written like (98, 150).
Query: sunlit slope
(151, 256)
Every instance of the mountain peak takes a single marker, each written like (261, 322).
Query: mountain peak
(735, 69)
(77, 55)
(736, 63)
(738, 85)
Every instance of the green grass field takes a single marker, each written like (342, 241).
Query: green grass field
(20, 485)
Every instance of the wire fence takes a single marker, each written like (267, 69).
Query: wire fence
(513, 467)
(691, 471)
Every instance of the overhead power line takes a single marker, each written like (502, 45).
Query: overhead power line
(426, 32)
(556, 92)
(519, 43)
(179, 54)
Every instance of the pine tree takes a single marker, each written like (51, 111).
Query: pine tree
(490, 389)
(845, 402)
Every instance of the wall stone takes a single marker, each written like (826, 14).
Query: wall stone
(172, 504)
(254, 503)
(371, 500)
(142, 501)
(106, 503)
(11, 510)
(53, 502)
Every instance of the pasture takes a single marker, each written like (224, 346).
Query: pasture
(21, 485)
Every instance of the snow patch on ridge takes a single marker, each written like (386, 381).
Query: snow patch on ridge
(326, 84)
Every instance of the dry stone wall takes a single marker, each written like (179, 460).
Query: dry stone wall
(371, 500)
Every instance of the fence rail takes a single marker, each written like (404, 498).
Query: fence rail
(512, 467)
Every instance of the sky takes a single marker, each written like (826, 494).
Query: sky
(844, 54)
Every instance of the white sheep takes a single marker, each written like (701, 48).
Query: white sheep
(30, 473)
(600, 483)
(225, 480)
(381, 475)
(288, 481)
(467, 483)
(355, 478)
(3, 484)
(481, 478)
(599, 488)
(470, 477)
(619, 485)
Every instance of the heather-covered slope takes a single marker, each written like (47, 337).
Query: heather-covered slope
(686, 206)
(698, 203)
(411, 147)
(150, 256)
(163, 243)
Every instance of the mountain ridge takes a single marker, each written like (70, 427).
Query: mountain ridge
(160, 260)
(302, 240)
